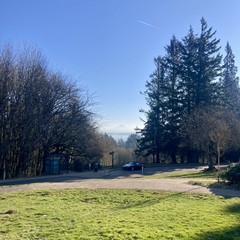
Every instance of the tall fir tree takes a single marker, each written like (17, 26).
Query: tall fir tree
(185, 79)
(151, 135)
(230, 81)
(173, 105)
(188, 73)
(200, 71)
(189, 84)
(207, 67)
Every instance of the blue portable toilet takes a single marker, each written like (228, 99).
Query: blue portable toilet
(52, 164)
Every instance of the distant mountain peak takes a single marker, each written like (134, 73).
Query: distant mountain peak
(121, 128)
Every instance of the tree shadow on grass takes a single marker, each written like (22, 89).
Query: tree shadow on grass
(232, 233)
(167, 195)
(228, 233)
(225, 192)
(159, 196)
(223, 233)
(234, 208)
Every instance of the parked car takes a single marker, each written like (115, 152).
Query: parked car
(133, 166)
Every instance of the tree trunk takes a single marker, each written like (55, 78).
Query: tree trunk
(218, 160)
(158, 157)
(173, 157)
(210, 162)
(153, 158)
(4, 169)
(192, 156)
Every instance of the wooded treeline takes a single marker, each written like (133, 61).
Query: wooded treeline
(41, 112)
(193, 100)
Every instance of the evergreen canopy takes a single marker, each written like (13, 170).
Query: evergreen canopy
(189, 76)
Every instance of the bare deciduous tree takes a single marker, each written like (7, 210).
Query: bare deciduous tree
(41, 112)
(212, 131)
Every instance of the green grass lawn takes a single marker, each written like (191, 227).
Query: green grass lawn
(204, 175)
(117, 214)
(201, 178)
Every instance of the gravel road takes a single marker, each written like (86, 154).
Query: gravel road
(113, 180)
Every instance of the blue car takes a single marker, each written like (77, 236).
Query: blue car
(133, 166)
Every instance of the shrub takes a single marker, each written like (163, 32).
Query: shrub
(232, 174)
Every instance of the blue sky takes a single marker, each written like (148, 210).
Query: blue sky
(108, 46)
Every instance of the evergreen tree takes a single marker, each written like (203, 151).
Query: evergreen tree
(131, 142)
(189, 83)
(200, 70)
(230, 81)
(173, 105)
(185, 79)
(188, 71)
(151, 135)
(207, 67)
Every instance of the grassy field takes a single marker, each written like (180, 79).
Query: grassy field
(204, 175)
(117, 214)
(201, 178)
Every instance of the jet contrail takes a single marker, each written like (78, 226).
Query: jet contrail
(148, 24)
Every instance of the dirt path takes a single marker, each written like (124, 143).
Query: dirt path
(134, 182)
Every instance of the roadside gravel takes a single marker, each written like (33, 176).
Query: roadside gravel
(103, 180)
